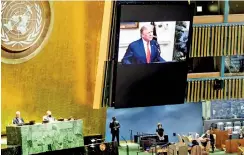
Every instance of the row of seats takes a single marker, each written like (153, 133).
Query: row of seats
(235, 129)
(234, 126)
(228, 124)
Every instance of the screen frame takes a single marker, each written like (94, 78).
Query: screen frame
(116, 35)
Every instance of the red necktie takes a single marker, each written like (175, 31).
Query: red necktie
(148, 53)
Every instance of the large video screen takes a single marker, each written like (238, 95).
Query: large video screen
(151, 52)
(153, 42)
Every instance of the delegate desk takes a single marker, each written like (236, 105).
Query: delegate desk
(221, 137)
(233, 144)
(146, 141)
(40, 138)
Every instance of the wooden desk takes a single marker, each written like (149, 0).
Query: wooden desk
(221, 137)
(40, 138)
(240, 150)
(232, 145)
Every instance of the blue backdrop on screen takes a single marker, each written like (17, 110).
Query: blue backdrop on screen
(182, 118)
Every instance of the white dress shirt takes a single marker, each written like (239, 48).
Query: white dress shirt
(20, 121)
(47, 118)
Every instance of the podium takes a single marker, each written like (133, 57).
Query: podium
(40, 138)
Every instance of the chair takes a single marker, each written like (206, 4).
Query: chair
(153, 142)
(183, 150)
(236, 132)
(196, 150)
(237, 123)
(145, 144)
(186, 140)
(220, 125)
(172, 150)
(179, 138)
(240, 151)
(193, 135)
(228, 124)
(228, 128)
(197, 136)
(237, 129)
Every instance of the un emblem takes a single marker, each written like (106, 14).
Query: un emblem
(102, 147)
(25, 26)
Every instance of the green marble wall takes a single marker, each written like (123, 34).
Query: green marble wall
(46, 137)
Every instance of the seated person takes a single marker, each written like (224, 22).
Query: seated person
(160, 132)
(206, 138)
(193, 143)
(71, 118)
(18, 120)
(242, 133)
(49, 117)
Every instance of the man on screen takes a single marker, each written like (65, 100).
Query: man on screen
(144, 50)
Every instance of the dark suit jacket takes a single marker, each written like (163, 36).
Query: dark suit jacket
(135, 53)
(211, 137)
(112, 125)
(16, 121)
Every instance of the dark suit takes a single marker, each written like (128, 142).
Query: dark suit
(17, 121)
(48, 118)
(211, 137)
(136, 54)
(115, 131)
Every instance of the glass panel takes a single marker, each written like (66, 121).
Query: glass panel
(236, 7)
(234, 65)
(204, 64)
(208, 8)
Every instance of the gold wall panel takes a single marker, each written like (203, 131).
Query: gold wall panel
(61, 78)
(209, 40)
(233, 88)
(210, 19)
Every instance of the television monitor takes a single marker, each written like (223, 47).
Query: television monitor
(152, 44)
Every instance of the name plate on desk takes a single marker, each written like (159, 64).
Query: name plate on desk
(40, 138)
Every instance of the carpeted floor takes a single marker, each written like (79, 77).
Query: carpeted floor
(134, 149)
(219, 152)
(122, 151)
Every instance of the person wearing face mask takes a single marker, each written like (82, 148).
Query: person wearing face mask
(115, 126)
(206, 138)
(48, 117)
(18, 120)
(160, 132)
(145, 50)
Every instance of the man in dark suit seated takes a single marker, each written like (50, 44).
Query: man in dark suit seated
(18, 120)
(48, 117)
(143, 51)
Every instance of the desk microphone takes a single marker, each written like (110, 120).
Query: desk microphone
(127, 147)
(131, 137)
(123, 139)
